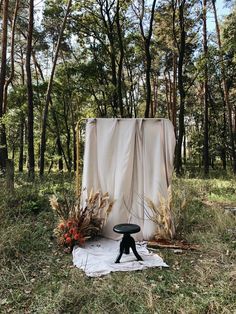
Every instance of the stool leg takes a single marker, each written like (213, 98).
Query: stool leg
(122, 248)
(126, 242)
(133, 247)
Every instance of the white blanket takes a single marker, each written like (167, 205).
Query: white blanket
(98, 257)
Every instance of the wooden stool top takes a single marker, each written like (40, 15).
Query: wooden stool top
(126, 228)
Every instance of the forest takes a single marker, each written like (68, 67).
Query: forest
(62, 61)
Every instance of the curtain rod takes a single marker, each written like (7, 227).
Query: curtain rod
(86, 119)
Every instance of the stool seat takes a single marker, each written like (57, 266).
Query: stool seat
(127, 241)
(126, 228)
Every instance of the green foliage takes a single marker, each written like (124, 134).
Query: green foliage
(229, 31)
(102, 45)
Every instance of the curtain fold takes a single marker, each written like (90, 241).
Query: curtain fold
(131, 159)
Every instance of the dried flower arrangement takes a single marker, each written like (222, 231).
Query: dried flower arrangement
(162, 216)
(78, 223)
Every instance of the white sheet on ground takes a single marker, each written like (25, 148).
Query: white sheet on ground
(98, 257)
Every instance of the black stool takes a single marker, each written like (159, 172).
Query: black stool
(127, 241)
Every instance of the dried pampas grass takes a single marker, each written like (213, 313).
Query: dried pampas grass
(161, 215)
(88, 219)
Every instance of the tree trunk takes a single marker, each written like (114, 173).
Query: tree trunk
(12, 54)
(22, 122)
(181, 88)
(68, 137)
(167, 94)
(155, 95)
(59, 151)
(54, 116)
(31, 161)
(131, 103)
(48, 93)
(22, 66)
(121, 58)
(105, 9)
(174, 91)
(185, 149)
(3, 142)
(206, 104)
(225, 90)
(21, 148)
(148, 58)
(148, 79)
(10, 175)
(224, 155)
(175, 66)
(74, 136)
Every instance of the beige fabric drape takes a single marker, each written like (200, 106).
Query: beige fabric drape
(130, 159)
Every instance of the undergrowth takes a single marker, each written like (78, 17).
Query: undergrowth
(37, 277)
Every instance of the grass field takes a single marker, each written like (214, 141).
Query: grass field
(37, 277)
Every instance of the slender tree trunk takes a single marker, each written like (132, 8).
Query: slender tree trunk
(155, 95)
(31, 160)
(59, 151)
(68, 137)
(131, 91)
(12, 54)
(148, 79)
(225, 90)
(54, 116)
(148, 58)
(23, 130)
(170, 97)
(105, 9)
(167, 94)
(206, 104)
(10, 175)
(48, 93)
(224, 163)
(74, 136)
(37, 66)
(22, 66)
(185, 150)
(74, 148)
(114, 77)
(181, 88)
(121, 58)
(21, 148)
(3, 142)
(175, 65)
(174, 91)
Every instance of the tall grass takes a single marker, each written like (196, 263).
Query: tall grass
(36, 277)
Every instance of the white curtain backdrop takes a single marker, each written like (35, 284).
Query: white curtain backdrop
(130, 159)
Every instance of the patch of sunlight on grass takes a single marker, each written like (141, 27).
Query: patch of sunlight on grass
(222, 198)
